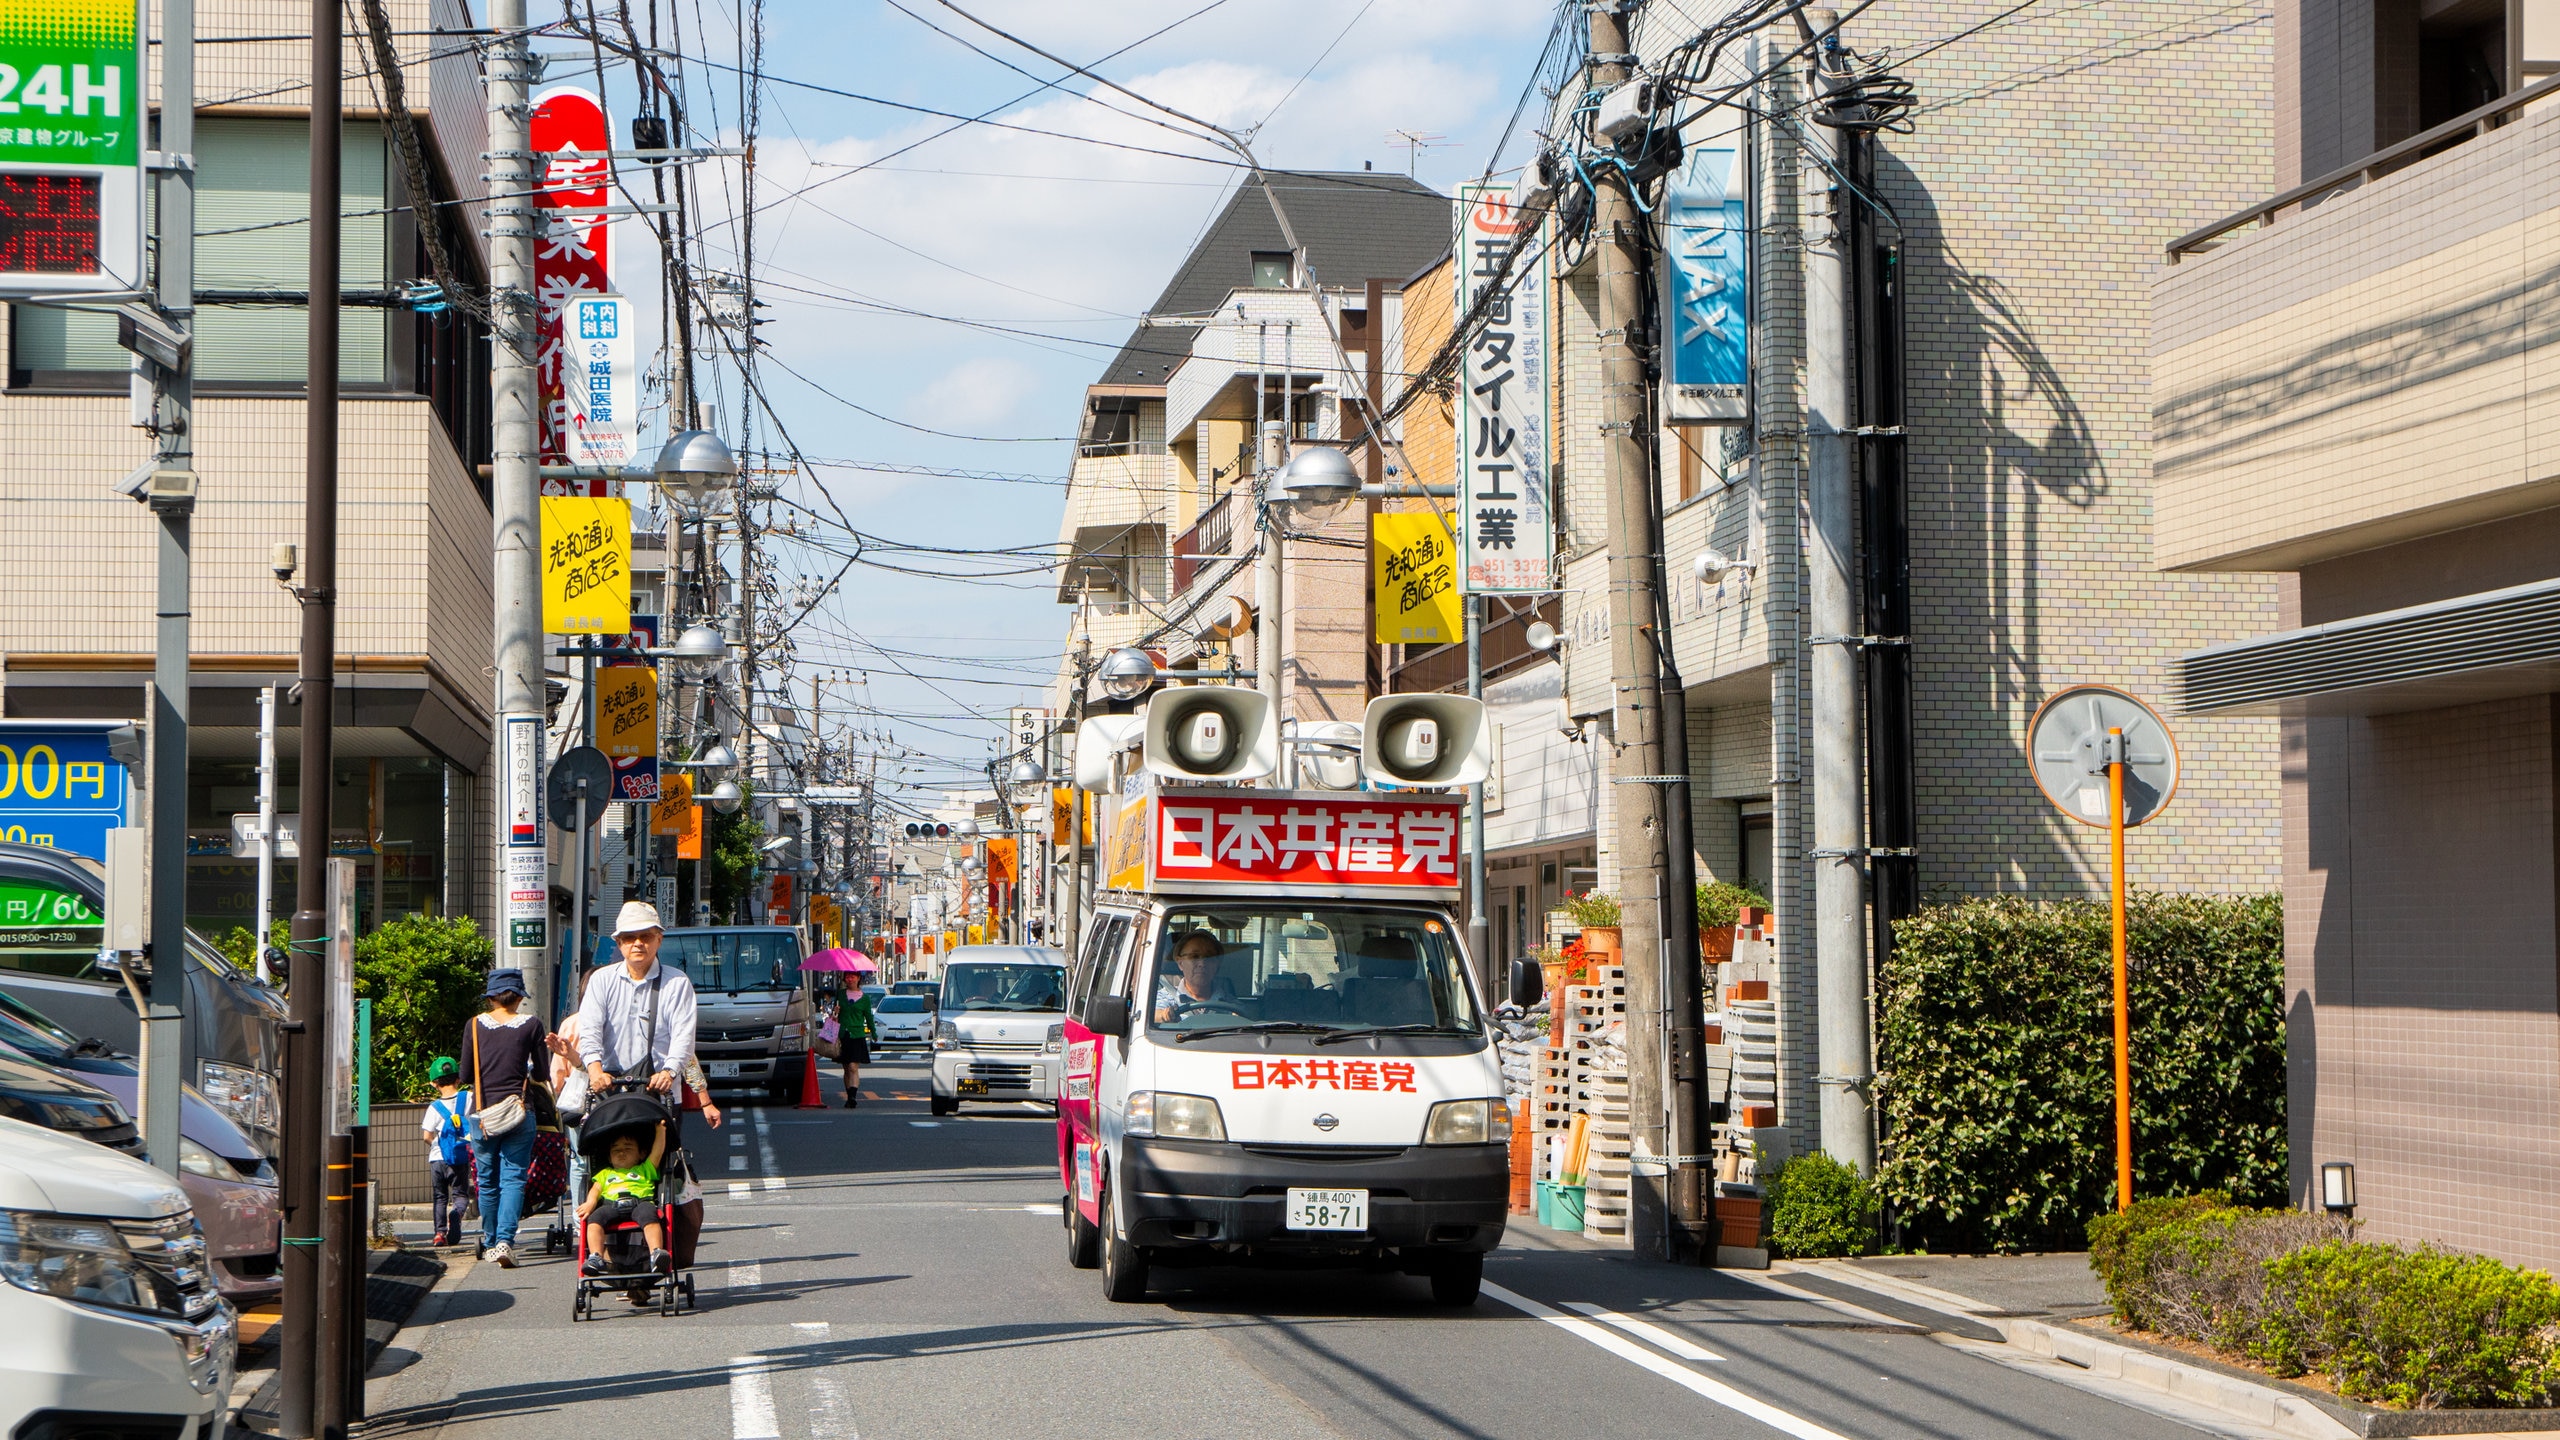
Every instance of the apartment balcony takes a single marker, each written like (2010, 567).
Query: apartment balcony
(1209, 540)
(2366, 367)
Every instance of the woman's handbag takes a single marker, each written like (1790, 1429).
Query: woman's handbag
(829, 1043)
(508, 1115)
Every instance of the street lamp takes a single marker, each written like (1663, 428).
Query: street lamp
(697, 462)
(726, 797)
(699, 645)
(718, 757)
(1316, 477)
(1127, 673)
(1026, 771)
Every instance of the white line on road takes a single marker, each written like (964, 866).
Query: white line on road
(739, 1190)
(1715, 1390)
(1646, 1330)
(737, 1162)
(764, 1146)
(831, 1417)
(746, 1274)
(737, 1140)
(810, 1329)
(751, 1414)
(776, 1182)
(926, 1124)
(1042, 1208)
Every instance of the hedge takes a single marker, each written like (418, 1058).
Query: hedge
(1996, 1069)
(424, 975)
(1819, 1208)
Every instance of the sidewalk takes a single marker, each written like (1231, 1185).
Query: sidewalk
(395, 1282)
(2034, 1287)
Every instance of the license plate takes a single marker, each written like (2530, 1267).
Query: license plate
(970, 1086)
(720, 1069)
(1328, 1210)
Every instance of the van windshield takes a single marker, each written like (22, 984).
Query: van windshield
(981, 986)
(1312, 968)
(725, 959)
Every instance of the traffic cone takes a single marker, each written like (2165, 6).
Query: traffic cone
(809, 1085)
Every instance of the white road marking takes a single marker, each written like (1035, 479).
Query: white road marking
(737, 1140)
(764, 1147)
(831, 1413)
(739, 1190)
(1646, 1330)
(746, 1274)
(926, 1124)
(751, 1414)
(737, 1162)
(810, 1329)
(1681, 1375)
(776, 1182)
(1042, 1209)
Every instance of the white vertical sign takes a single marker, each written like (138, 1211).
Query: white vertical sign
(1506, 523)
(600, 378)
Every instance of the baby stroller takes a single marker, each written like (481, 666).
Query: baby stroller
(631, 1111)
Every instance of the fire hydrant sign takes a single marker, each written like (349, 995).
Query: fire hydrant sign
(586, 566)
(1309, 842)
(71, 119)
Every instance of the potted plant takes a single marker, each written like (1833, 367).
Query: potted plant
(1720, 907)
(1596, 911)
(1552, 963)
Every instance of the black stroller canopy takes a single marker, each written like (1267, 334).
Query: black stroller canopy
(614, 1116)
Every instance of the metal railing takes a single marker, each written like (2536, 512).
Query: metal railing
(1207, 539)
(2372, 167)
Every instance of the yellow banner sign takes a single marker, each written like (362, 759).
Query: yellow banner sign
(586, 565)
(675, 798)
(627, 712)
(689, 833)
(1000, 861)
(1414, 576)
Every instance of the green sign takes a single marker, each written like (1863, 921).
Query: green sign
(70, 82)
(39, 915)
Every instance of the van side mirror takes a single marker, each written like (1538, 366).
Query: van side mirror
(1108, 1015)
(1528, 982)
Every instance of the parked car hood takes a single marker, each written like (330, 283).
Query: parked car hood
(199, 1119)
(43, 1169)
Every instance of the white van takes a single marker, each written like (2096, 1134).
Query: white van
(997, 1032)
(113, 1319)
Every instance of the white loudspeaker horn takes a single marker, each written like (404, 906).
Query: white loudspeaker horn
(1097, 741)
(1211, 732)
(1329, 766)
(1425, 740)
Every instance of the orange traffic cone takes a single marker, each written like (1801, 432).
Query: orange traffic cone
(809, 1085)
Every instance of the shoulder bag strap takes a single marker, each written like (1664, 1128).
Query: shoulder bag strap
(479, 1082)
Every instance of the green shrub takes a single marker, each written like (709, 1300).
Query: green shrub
(240, 945)
(1720, 905)
(1819, 1207)
(2113, 1234)
(2418, 1327)
(424, 975)
(1995, 1051)
(2205, 1277)
(1592, 907)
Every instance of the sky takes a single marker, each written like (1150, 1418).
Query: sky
(1049, 244)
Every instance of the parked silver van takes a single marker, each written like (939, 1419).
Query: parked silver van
(753, 1018)
(999, 1032)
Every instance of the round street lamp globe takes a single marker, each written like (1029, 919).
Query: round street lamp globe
(1026, 772)
(1318, 475)
(1127, 673)
(966, 829)
(699, 644)
(726, 797)
(697, 461)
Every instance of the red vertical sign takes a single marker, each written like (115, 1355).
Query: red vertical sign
(574, 256)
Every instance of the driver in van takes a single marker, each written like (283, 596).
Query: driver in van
(1196, 958)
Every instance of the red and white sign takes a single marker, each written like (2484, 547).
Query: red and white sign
(1293, 1074)
(1241, 839)
(574, 257)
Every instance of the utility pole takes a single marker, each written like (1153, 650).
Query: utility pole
(1479, 932)
(1842, 1050)
(309, 1359)
(1642, 842)
(1071, 888)
(171, 495)
(516, 505)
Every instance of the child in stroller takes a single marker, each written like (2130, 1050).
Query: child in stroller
(625, 1193)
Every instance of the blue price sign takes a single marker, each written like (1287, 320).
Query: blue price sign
(58, 786)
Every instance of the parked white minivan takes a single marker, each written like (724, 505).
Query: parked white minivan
(998, 1032)
(110, 1306)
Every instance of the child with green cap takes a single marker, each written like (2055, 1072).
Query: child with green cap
(448, 1127)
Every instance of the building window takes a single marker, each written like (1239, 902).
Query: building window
(1272, 269)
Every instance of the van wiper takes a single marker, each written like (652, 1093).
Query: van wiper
(1185, 1037)
(1416, 1029)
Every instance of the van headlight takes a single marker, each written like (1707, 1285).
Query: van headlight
(787, 1037)
(946, 1035)
(1467, 1122)
(1174, 1117)
(198, 1161)
(1057, 1041)
(248, 1096)
(83, 1261)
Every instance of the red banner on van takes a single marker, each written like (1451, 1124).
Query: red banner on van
(1315, 842)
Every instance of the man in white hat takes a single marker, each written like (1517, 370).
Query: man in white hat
(637, 1018)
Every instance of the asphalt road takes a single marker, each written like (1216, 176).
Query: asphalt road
(879, 1273)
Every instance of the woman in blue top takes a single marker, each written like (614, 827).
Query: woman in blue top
(448, 1126)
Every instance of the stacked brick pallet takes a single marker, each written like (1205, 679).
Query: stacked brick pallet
(1593, 1026)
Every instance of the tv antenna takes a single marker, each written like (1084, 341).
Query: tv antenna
(1414, 143)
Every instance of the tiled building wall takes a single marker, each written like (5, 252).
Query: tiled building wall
(2420, 925)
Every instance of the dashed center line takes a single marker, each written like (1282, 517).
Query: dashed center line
(746, 1274)
(740, 1190)
(810, 1329)
(737, 1162)
(751, 1414)
(831, 1410)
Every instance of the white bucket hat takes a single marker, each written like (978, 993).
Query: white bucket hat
(636, 916)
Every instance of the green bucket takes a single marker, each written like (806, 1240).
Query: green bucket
(1546, 1200)
(1565, 1208)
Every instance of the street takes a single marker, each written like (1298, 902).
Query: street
(881, 1273)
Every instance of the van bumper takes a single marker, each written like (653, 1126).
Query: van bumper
(1184, 1193)
(67, 1361)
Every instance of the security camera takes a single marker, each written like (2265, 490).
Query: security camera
(1713, 565)
(284, 559)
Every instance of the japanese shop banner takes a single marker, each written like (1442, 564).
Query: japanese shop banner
(1506, 527)
(1707, 282)
(627, 728)
(574, 256)
(71, 120)
(586, 566)
(1413, 575)
(1002, 855)
(1260, 839)
(601, 393)
(674, 803)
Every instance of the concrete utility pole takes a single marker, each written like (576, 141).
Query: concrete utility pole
(310, 1361)
(1479, 932)
(1657, 1229)
(1842, 1049)
(1270, 602)
(164, 1047)
(516, 506)
(1071, 885)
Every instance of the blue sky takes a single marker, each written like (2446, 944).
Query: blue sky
(1066, 239)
